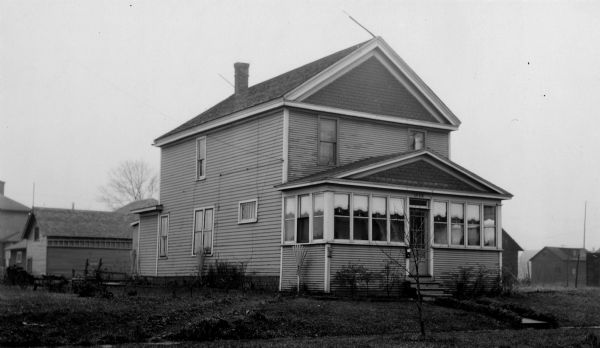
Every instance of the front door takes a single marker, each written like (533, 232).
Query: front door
(419, 238)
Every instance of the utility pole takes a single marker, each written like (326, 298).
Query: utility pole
(580, 251)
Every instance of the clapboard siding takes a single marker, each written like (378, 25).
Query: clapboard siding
(62, 261)
(448, 261)
(243, 162)
(357, 139)
(147, 250)
(370, 87)
(313, 269)
(374, 258)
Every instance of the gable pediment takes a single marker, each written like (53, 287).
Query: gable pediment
(422, 173)
(372, 87)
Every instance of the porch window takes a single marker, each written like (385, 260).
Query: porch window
(473, 225)
(457, 219)
(379, 219)
(203, 231)
(396, 219)
(341, 216)
(19, 257)
(360, 219)
(440, 223)
(318, 203)
(163, 236)
(327, 141)
(303, 222)
(200, 158)
(489, 225)
(289, 219)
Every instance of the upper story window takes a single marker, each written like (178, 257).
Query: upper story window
(163, 236)
(36, 234)
(200, 158)
(327, 141)
(416, 139)
(247, 211)
(203, 231)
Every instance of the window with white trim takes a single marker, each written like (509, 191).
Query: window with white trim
(318, 214)
(473, 225)
(303, 220)
(200, 158)
(248, 211)
(360, 217)
(203, 231)
(416, 139)
(163, 234)
(440, 222)
(289, 218)
(397, 219)
(327, 141)
(341, 216)
(489, 225)
(379, 219)
(457, 227)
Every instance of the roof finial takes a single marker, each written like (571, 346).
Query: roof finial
(362, 26)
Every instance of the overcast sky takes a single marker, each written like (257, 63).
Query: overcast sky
(87, 84)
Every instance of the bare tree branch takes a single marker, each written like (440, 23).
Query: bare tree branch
(130, 181)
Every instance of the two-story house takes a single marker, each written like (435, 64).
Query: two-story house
(348, 156)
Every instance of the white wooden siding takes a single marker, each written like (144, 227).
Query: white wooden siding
(357, 139)
(242, 162)
(313, 270)
(147, 248)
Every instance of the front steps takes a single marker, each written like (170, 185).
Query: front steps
(430, 289)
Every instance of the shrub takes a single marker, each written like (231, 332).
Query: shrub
(469, 282)
(351, 277)
(225, 275)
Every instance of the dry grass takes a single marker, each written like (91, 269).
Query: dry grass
(41, 318)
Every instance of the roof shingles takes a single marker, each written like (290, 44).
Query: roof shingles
(266, 91)
(82, 223)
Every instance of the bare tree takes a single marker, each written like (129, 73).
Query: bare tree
(417, 247)
(130, 181)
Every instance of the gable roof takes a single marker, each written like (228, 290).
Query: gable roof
(291, 88)
(511, 239)
(399, 171)
(12, 205)
(135, 205)
(265, 91)
(55, 222)
(563, 254)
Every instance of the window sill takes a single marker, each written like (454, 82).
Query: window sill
(201, 179)
(474, 248)
(247, 222)
(347, 242)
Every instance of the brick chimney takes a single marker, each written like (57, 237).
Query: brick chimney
(241, 77)
(1, 187)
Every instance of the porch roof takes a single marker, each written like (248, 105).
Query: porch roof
(421, 170)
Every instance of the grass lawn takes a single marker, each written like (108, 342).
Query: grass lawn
(252, 319)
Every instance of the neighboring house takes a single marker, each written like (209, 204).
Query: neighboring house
(510, 256)
(559, 266)
(593, 268)
(13, 216)
(348, 156)
(135, 228)
(525, 265)
(59, 241)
